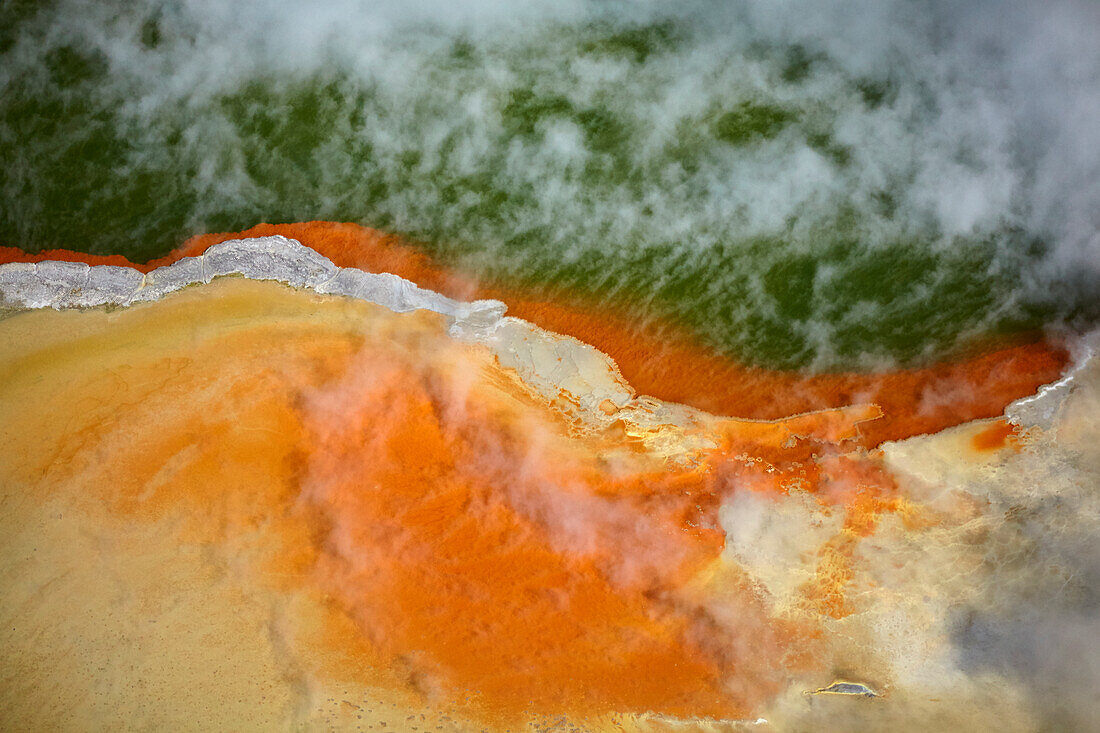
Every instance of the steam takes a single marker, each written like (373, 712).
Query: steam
(804, 185)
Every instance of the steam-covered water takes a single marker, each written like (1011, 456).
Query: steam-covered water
(852, 186)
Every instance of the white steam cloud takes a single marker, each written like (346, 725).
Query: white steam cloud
(938, 123)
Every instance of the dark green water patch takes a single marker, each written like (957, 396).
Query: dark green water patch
(636, 43)
(751, 121)
(724, 191)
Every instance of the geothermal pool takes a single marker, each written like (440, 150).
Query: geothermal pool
(568, 366)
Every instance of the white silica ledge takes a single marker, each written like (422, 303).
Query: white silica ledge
(62, 285)
(1041, 409)
(546, 362)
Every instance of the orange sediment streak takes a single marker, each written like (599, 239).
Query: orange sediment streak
(523, 580)
(1001, 434)
(668, 363)
(14, 254)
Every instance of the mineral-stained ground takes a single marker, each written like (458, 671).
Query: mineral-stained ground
(230, 503)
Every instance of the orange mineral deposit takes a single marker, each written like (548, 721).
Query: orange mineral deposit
(666, 362)
(408, 522)
(392, 523)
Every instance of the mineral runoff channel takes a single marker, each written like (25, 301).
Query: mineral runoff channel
(255, 490)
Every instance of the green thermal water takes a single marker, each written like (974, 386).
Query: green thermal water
(756, 193)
